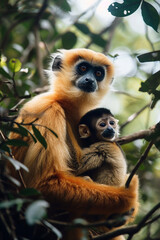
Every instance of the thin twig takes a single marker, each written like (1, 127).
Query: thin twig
(157, 3)
(133, 116)
(36, 91)
(14, 87)
(125, 93)
(148, 39)
(15, 108)
(140, 161)
(10, 224)
(3, 97)
(112, 30)
(3, 220)
(40, 13)
(22, 179)
(111, 222)
(39, 60)
(75, 20)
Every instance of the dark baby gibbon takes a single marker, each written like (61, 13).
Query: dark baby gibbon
(79, 79)
(102, 160)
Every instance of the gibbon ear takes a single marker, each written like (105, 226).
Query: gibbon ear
(84, 131)
(57, 63)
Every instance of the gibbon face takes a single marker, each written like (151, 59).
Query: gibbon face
(106, 127)
(81, 70)
(98, 125)
(88, 76)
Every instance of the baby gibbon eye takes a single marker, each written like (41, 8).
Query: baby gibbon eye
(112, 122)
(102, 124)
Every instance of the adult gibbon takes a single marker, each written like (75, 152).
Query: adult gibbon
(79, 79)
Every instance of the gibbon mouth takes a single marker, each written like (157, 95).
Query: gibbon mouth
(87, 87)
(108, 133)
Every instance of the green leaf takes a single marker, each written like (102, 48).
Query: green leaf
(5, 148)
(11, 203)
(39, 136)
(156, 98)
(63, 4)
(149, 57)
(36, 211)
(5, 74)
(34, 139)
(52, 132)
(157, 144)
(14, 65)
(80, 221)
(14, 180)
(124, 9)
(18, 165)
(155, 135)
(97, 39)
(23, 131)
(151, 83)
(69, 39)
(29, 192)
(19, 130)
(150, 15)
(16, 142)
(83, 28)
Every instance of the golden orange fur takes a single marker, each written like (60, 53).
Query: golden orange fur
(50, 171)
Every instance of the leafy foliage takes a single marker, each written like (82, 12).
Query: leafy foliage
(36, 211)
(14, 65)
(151, 84)
(124, 9)
(149, 13)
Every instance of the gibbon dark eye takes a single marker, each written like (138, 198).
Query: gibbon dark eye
(83, 68)
(112, 122)
(102, 124)
(99, 73)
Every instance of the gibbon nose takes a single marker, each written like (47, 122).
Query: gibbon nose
(110, 129)
(108, 132)
(89, 81)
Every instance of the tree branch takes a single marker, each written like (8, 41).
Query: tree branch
(140, 161)
(143, 134)
(40, 13)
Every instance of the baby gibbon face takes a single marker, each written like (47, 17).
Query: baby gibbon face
(98, 125)
(106, 127)
(82, 69)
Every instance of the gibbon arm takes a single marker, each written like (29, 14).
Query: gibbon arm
(86, 198)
